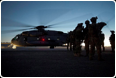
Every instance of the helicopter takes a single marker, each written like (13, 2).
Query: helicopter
(40, 37)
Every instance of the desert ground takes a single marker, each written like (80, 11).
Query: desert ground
(57, 62)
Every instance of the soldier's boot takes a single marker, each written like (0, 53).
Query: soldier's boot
(91, 53)
(75, 54)
(78, 54)
(73, 47)
(79, 51)
(103, 48)
(87, 53)
(70, 47)
(90, 57)
(99, 56)
(87, 49)
(99, 53)
(67, 46)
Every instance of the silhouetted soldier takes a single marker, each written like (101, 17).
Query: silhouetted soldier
(102, 40)
(72, 37)
(78, 34)
(112, 41)
(85, 32)
(70, 40)
(94, 38)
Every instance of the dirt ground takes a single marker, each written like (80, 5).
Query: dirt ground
(58, 62)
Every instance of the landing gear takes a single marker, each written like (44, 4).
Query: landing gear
(51, 47)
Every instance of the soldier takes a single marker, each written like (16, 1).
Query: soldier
(94, 38)
(70, 40)
(85, 32)
(112, 40)
(102, 40)
(78, 35)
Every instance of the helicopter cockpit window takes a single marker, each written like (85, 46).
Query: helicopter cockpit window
(16, 38)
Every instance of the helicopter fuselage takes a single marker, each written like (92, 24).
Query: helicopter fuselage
(40, 38)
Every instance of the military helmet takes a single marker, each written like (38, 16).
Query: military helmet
(93, 19)
(112, 31)
(80, 24)
(87, 22)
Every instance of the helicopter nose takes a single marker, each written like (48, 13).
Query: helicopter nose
(16, 42)
(12, 41)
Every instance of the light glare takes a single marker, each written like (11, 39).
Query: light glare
(14, 47)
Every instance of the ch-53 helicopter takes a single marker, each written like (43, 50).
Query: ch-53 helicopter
(40, 37)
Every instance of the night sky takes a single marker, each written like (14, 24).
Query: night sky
(63, 15)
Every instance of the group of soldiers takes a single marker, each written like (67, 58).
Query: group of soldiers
(92, 37)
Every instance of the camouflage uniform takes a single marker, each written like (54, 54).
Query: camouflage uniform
(78, 34)
(94, 39)
(112, 41)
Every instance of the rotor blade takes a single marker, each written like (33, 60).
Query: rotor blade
(78, 18)
(8, 31)
(11, 31)
(11, 23)
(48, 15)
(49, 26)
(107, 21)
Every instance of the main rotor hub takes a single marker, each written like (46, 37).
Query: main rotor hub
(41, 27)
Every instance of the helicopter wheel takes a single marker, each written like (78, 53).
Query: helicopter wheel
(51, 47)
